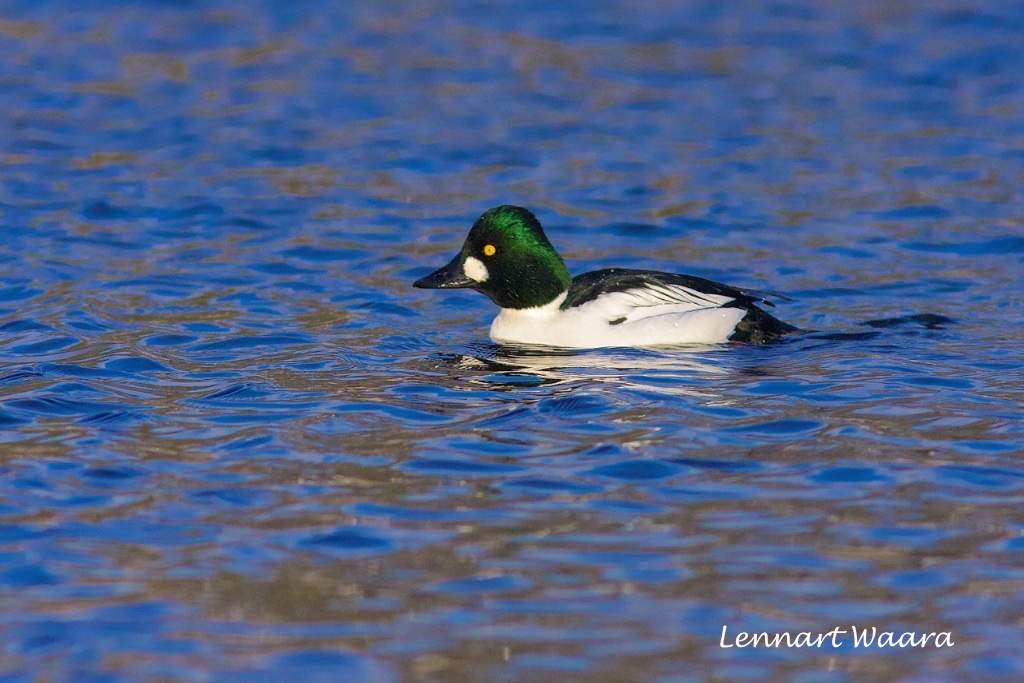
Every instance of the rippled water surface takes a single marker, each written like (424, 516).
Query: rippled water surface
(235, 441)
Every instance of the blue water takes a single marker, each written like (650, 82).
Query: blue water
(237, 444)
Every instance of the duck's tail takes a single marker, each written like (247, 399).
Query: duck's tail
(760, 327)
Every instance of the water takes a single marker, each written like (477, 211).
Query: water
(235, 441)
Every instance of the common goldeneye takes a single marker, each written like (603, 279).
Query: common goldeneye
(508, 257)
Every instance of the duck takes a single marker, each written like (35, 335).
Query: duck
(508, 257)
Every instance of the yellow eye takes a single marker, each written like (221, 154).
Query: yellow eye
(489, 250)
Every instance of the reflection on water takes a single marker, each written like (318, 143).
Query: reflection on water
(679, 370)
(234, 441)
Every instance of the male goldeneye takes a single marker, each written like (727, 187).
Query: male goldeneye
(508, 257)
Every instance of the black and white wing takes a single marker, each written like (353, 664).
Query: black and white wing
(624, 296)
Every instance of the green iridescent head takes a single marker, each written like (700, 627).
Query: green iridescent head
(508, 257)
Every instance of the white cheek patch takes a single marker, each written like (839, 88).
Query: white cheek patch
(475, 269)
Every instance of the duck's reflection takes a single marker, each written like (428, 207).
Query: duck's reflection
(671, 370)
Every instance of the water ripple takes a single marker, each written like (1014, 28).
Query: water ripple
(235, 443)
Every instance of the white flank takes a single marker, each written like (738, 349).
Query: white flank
(475, 269)
(656, 316)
